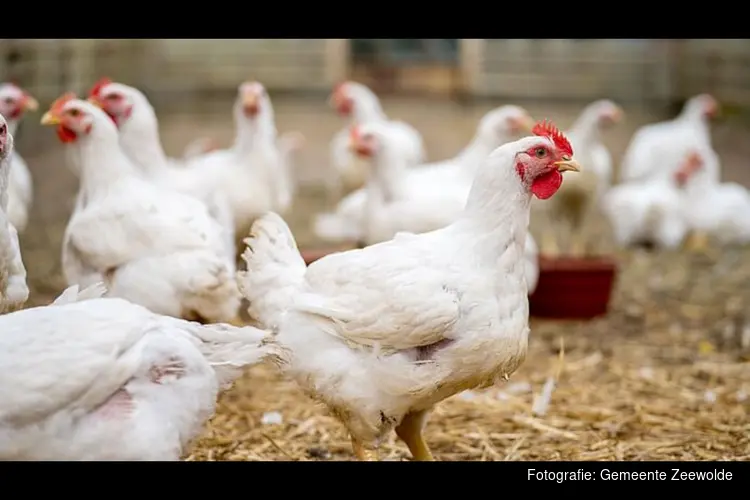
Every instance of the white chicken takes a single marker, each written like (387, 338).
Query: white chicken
(384, 333)
(713, 210)
(14, 291)
(253, 174)
(570, 212)
(649, 212)
(150, 245)
(360, 105)
(389, 212)
(496, 127)
(136, 119)
(14, 103)
(651, 144)
(90, 378)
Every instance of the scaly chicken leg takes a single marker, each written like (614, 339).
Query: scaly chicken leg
(697, 242)
(410, 432)
(363, 453)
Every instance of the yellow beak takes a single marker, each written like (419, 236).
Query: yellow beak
(568, 164)
(617, 115)
(50, 119)
(30, 104)
(249, 99)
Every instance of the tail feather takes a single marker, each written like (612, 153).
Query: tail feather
(229, 349)
(75, 294)
(275, 269)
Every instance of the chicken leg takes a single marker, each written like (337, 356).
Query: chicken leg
(697, 242)
(410, 432)
(364, 453)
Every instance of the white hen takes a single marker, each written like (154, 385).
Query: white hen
(571, 211)
(360, 104)
(253, 174)
(716, 210)
(384, 333)
(649, 211)
(136, 119)
(495, 128)
(150, 245)
(651, 144)
(389, 211)
(91, 378)
(13, 289)
(14, 103)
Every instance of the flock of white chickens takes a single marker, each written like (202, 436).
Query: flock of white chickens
(127, 363)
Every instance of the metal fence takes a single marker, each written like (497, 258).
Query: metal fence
(626, 70)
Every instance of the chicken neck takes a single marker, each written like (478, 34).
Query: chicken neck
(100, 160)
(383, 186)
(5, 172)
(367, 108)
(586, 128)
(480, 147)
(496, 214)
(140, 139)
(251, 133)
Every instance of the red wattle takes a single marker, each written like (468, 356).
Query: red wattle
(66, 135)
(547, 184)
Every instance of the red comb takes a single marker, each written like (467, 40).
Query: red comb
(547, 129)
(97, 88)
(62, 101)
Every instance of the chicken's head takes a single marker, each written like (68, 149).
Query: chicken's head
(607, 113)
(252, 96)
(703, 105)
(114, 98)
(362, 144)
(75, 118)
(541, 160)
(503, 124)
(14, 101)
(6, 140)
(341, 99)
(693, 163)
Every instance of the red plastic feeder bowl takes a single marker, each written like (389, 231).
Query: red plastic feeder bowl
(573, 288)
(310, 255)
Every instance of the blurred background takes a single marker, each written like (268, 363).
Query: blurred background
(441, 86)
(669, 358)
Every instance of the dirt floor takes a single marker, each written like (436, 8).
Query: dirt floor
(663, 376)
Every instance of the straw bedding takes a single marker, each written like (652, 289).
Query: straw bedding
(663, 377)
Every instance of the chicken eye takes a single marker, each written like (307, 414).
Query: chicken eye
(540, 152)
(2, 129)
(8, 100)
(113, 97)
(74, 112)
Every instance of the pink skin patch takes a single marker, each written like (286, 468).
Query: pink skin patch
(119, 405)
(173, 368)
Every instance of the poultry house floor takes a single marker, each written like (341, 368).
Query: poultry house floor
(663, 376)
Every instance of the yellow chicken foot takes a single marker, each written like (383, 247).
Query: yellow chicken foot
(237, 321)
(697, 242)
(410, 432)
(364, 453)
